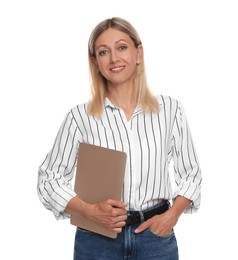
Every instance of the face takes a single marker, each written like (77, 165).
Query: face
(117, 57)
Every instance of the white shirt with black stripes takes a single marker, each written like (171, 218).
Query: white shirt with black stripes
(151, 141)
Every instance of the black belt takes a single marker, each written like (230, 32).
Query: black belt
(137, 217)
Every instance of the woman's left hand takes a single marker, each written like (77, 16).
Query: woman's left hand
(160, 224)
(164, 223)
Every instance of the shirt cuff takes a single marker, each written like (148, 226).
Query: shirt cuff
(59, 200)
(190, 191)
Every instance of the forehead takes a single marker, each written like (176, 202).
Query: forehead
(112, 36)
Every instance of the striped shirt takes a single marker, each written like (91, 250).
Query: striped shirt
(150, 140)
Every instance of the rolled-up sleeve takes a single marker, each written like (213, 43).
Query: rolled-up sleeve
(187, 170)
(57, 170)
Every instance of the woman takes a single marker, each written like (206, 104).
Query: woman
(124, 115)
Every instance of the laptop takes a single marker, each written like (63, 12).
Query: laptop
(99, 176)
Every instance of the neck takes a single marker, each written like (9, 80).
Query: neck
(122, 97)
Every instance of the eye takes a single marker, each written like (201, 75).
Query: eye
(122, 48)
(103, 53)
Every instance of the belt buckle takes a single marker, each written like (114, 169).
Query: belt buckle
(133, 218)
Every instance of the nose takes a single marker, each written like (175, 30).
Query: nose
(114, 57)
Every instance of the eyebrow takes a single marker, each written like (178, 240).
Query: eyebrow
(104, 45)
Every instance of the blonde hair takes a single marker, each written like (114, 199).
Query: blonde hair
(144, 97)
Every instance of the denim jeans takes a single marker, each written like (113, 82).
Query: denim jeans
(127, 246)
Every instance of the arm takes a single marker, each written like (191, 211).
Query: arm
(187, 172)
(187, 178)
(55, 188)
(57, 170)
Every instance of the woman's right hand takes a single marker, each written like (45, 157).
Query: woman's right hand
(110, 214)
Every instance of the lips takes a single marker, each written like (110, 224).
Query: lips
(117, 68)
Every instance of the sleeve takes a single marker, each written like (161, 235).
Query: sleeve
(57, 170)
(187, 170)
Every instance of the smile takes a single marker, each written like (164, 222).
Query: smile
(117, 69)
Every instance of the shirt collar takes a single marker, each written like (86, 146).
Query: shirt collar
(108, 103)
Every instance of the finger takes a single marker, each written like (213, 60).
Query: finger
(143, 227)
(119, 224)
(117, 230)
(120, 219)
(116, 203)
(117, 212)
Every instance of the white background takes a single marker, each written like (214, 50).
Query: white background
(191, 53)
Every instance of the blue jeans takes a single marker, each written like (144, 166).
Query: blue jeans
(127, 246)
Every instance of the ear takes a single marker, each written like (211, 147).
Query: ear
(94, 61)
(139, 54)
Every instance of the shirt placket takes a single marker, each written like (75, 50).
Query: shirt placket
(133, 204)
